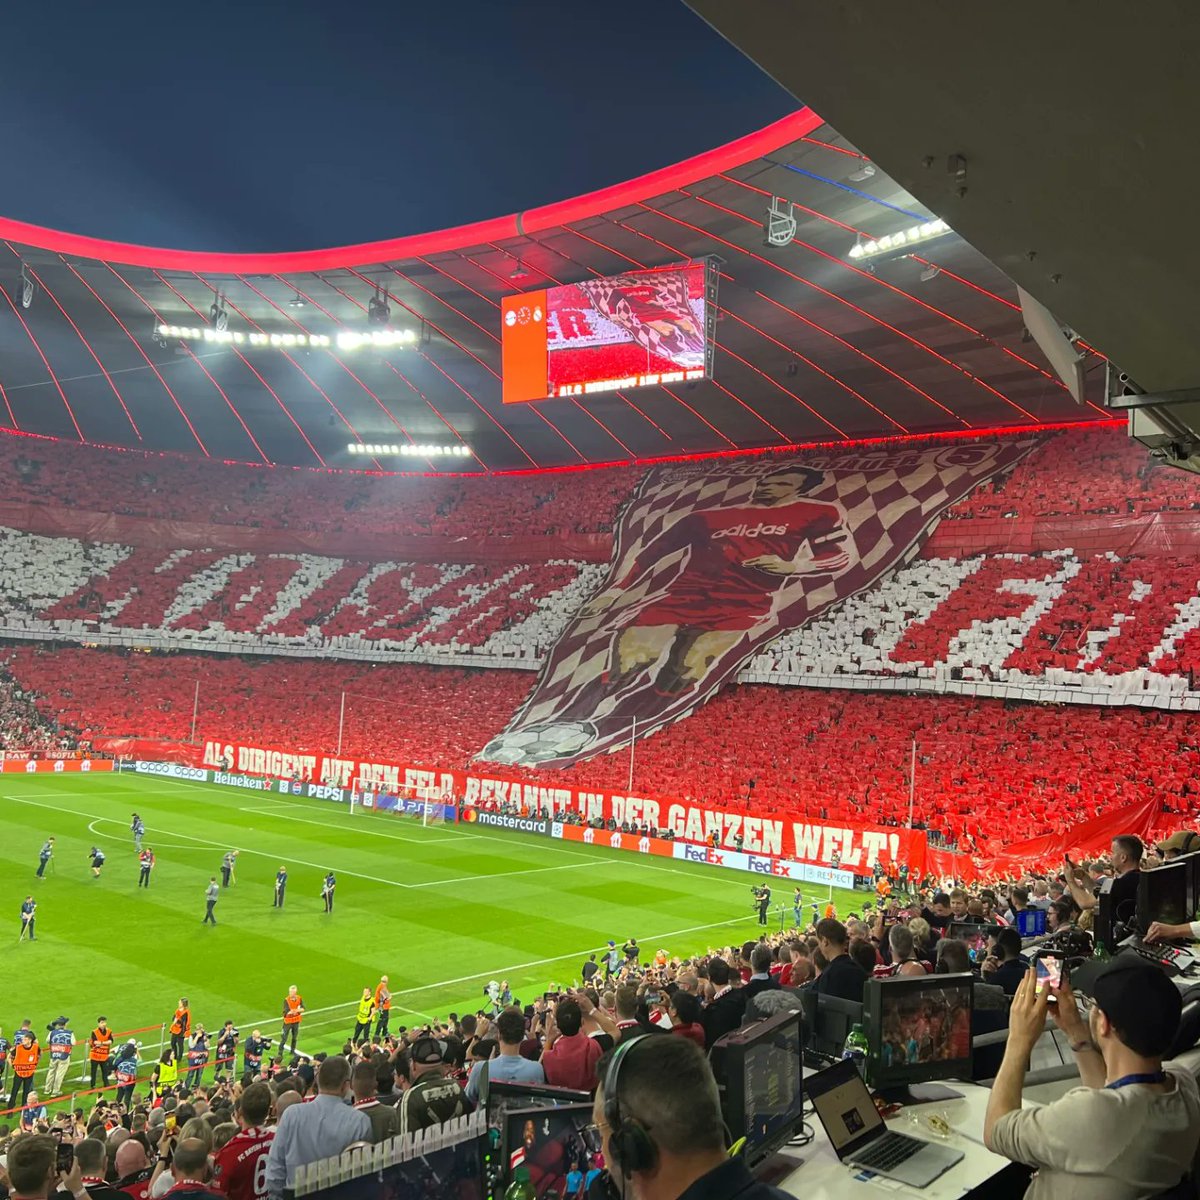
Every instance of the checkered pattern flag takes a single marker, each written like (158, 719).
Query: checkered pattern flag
(711, 563)
(643, 304)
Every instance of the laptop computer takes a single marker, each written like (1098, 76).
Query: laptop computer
(861, 1139)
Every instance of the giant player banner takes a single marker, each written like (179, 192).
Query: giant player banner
(711, 563)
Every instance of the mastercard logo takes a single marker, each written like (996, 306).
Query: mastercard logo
(469, 815)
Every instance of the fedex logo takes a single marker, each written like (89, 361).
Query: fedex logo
(714, 856)
(759, 530)
(779, 867)
(695, 853)
(763, 866)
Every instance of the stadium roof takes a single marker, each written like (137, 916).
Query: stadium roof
(812, 345)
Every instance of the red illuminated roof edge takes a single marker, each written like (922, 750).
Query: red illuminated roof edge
(722, 158)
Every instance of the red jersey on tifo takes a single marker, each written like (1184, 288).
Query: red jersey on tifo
(715, 589)
(240, 1166)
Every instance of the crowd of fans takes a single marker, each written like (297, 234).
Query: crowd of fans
(245, 1132)
(1084, 472)
(838, 756)
(170, 487)
(1096, 471)
(293, 702)
(24, 726)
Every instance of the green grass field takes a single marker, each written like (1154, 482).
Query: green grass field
(440, 909)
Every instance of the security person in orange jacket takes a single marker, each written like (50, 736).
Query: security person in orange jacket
(293, 1010)
(100, 1042)
(25, 1056)
(181, 1028)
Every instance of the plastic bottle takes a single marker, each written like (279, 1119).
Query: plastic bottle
(855, 1049)
(521, 1187)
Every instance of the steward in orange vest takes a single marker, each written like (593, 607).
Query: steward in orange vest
(293, 1010)
(25, 1057)
(99, 1044)
(181, 1028)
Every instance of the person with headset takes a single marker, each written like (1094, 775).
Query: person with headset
(659, 1118)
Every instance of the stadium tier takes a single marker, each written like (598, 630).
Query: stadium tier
(844, 755)
(1065, 576)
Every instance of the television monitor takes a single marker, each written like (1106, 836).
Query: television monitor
(1163, 894)
(760, 1074)
(1193, 865)
(1103, 922)
(500, 1097)
(975, 935)
(1031, 922)
(918, 1029)
(560, 1148)
(642, 328)
(832, 1021)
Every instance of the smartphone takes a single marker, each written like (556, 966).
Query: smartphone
(1051, 970)
(64, 1158)
(169, 1123)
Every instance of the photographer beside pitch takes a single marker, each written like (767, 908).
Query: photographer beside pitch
(1132, 1128)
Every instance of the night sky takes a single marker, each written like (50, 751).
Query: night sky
(263, 125)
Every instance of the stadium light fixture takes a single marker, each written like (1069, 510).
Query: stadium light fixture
(352, 339)
(900, 242)
(410, 449)
(378, 312)
(382, 339)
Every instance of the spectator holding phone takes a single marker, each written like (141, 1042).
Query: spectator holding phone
(508, 1065)
(33, 1170)
(569, 1056)
(1133, 1127)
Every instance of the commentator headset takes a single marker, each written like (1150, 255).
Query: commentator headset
(630, 1146)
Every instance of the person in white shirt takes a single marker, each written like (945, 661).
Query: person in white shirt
(1133, 1127)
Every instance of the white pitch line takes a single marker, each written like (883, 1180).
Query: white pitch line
(495, 972)
(550, 848)
(276, 798)
(210, 843)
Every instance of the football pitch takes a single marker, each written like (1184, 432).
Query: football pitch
(440, 910)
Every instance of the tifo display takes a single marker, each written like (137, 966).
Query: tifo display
(298, 801)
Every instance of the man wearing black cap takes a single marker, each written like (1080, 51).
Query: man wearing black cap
(1133, 1127)
(431, 1098)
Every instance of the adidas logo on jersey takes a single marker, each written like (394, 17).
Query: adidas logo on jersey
(759, 530)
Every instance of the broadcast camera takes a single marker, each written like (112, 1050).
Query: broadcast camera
(57, 1023)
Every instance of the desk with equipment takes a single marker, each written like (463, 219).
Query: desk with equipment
(917, 1034)
(909, 1038)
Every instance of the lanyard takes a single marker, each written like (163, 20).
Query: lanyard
(1143, 1077)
